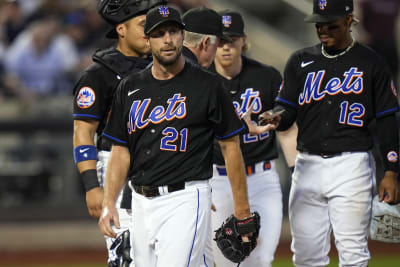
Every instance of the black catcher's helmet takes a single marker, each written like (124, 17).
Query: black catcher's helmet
(115, 12)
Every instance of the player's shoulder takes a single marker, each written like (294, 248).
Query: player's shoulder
(197, 72)
(307, 52)
(258, 67)
(363, 51)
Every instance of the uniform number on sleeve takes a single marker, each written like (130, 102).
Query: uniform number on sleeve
(251, 138)
(351, 114)
(171, 138)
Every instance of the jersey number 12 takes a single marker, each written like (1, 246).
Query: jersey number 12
(351, 114)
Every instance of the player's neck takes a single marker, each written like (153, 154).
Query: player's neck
(166, 72)
(126, 51)
(231, 71)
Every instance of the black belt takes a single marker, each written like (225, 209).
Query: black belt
(154, 190)
(326, 155)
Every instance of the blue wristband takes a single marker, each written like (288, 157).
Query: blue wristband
(85, 152)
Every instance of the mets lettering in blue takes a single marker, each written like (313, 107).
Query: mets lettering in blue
(352, 83)
(247, 98)
(140, 118)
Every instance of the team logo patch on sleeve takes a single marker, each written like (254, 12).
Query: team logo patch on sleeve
(392, 156)
(86, 97)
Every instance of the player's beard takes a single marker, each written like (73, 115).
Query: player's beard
(168, 61)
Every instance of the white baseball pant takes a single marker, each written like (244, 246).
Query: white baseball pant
(265, 197)
(171, 230)
(331, 194)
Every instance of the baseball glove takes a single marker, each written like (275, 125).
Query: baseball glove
(121, 247)
(229, 240)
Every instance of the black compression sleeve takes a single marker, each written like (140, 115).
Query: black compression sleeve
(388, 137)
(89, 179)
(287, 118)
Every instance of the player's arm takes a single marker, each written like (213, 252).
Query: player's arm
(85, 155)
(235, 169)
(288, 142)
(389, 147)
(117, 171)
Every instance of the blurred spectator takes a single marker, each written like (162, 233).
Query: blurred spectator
(12, 20)
(379, 20)
(38, 61)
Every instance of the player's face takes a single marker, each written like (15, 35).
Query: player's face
(134, 37)
(230, 53)
(207, 54)
(166, 43)
(335, 34)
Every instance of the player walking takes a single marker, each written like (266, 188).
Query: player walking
(93, 97)
(334, 90)
(247, 82)
(162, 124)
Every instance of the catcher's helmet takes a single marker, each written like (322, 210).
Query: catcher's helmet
(115, 12)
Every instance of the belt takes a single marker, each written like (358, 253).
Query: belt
(250, 169)
(155, 191)
(326, 155)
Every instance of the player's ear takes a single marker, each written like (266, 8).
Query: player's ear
(121, 30)
(349, 20)
(204, 43)
(245, 46)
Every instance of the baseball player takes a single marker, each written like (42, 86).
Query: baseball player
(333, 90)
(93, 97)
(248, 82)
(162, 124)
(203, 32)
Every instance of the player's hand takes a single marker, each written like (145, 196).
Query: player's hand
(254, 128)
(270, 117)
(109, 216)
(389, 188)
(94, 201)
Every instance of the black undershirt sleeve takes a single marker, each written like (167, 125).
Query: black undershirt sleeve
(388, 137)
(287, 118)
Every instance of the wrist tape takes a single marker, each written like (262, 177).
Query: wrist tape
(89, 179)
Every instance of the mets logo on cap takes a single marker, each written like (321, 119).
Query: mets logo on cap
(227, 21)
(392, 156)
(322, 4)
(86, 97)
(164, 11)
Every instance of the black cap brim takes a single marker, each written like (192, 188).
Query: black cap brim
(225, 38)
(112, 34)
(165, 21)
(315, 18)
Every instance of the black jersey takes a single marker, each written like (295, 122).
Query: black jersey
(337, 97)
(95, 89)
(260, 83)
(169, 125)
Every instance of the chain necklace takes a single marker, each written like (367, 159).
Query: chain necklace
(341, 53)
